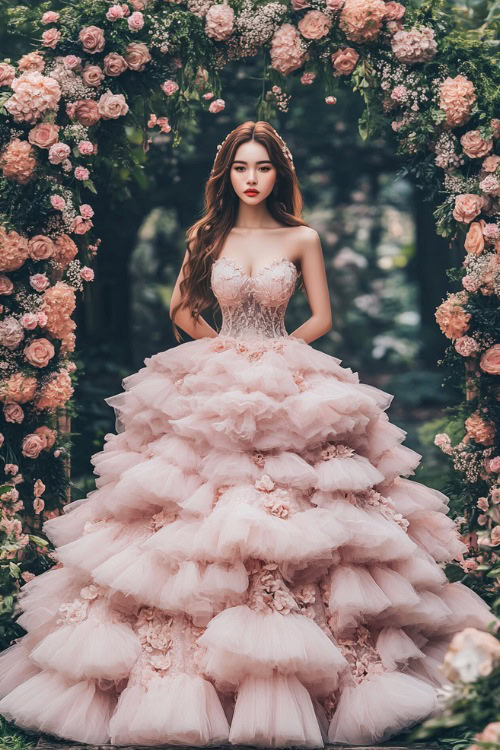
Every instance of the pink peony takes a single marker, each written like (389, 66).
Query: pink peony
(58, 152)
(39, 282)
(66, 250)
(6, 285)
(86, 211)
(216, 106)
(18, 161)
(287, 50)
(31, 61)
(51, 38)
(86, 148)
(483, 432)
(111, 106)
(33, 95)
(39, 352)
(490, 361)
(82, 173)
(92, 39)
(40, 247)
(87, 273)
(219, 21)
(361, 20)
(467, 207)
(44, 135)
(466, 346)
(315, 25)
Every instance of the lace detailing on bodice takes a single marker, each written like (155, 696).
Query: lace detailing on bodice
(253, 306)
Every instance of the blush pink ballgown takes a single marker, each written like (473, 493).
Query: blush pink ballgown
(253, 567)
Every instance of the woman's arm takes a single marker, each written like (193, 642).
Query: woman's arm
(196, 329)
(318, 295)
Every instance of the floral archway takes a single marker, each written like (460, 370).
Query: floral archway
(99, 66)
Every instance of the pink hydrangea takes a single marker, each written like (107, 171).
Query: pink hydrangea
(361, 20)
(219, 21)
(33, 95)
(287, 50)
(457, 95)
(414, 46)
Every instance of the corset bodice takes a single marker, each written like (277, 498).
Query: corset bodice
(253, 306)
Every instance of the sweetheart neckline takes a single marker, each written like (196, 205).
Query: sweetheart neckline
(239, 266)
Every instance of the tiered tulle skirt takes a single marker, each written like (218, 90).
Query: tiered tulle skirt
(253, 567)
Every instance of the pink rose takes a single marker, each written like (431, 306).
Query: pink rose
(39, 282)
(86, 148)
(300, 4)
(307, 78)
(6, 285)
(87, 274)
(13, 413)
(92, 39)
(170, 87)
(474, 146)
(81, 173)
(111, 106)
(86, 112)
(494, 464)
(92, 75)
(467, 207)
(39, 352)
(42, 318)
(474, 241)
(315, 24)
(80, 226)
(40, 247)
(29, 321)
(50, 16)
(115, 12)
(216, 106)
(114, 64)
(344, 60)
(330, 100)
(394, 11)
(137, 56)
(7, 74)
(208, 95)
(31, 446)
(44, 135)
(51, 37)
(58, 152)
(72, 61)
(491, 163)
(490, 361)
(135, 21)
(335, 5)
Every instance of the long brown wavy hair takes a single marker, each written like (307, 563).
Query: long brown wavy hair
(206, 237)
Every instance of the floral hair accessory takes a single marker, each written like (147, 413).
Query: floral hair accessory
(284, 148)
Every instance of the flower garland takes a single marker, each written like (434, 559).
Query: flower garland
(430, 87)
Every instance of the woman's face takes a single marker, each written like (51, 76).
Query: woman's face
(252, 170)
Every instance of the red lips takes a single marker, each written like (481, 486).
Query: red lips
(251, 192)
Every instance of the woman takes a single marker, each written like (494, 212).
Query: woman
(253, 567)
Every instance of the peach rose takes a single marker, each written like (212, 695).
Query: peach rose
(48, 437)
(314, 25)
(491, 163)
(114, 64)
(474, 242)
(344, 60)
(490, 361)
(467, 207)
(6, 285)
(86, 112)
(39, 352)
(51, 38)
(137, 56)
(13, 413)
(92, 39)
(32, 445)
(40, 247)
(44, 135)
(475, 146)
(92, 75)
(111, 106)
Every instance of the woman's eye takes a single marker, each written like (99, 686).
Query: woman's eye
(266, 169)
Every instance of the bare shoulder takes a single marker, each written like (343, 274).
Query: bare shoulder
(306, 242)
